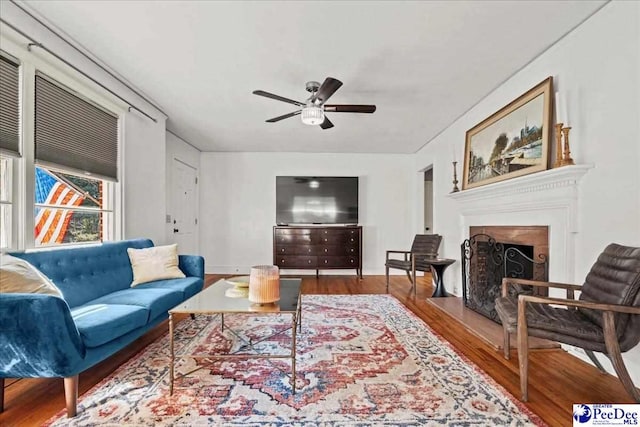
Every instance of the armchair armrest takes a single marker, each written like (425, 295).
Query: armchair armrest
(577, 303)
(191, 265)
(38, 337)
(535, 283)
(405, 253)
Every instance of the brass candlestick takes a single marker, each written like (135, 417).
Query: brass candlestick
(566, 157)
(455, 179)
(558, 161)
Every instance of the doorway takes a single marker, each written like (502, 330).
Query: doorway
(428, 201)
(183, 197)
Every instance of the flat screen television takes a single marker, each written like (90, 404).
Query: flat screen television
(316, 200)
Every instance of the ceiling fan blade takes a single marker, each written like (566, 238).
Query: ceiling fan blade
(326, 124)
(328, 88)
(286, 116)
(350, 108)
(277, 97)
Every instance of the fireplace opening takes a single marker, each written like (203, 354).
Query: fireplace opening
(504, 252)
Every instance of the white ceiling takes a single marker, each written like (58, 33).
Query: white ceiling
(422, 63)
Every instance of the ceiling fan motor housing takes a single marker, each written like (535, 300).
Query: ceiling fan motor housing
(312, 86)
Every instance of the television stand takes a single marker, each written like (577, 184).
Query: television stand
(318, 248)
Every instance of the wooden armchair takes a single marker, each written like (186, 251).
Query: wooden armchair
(424, 246)
(606, 317)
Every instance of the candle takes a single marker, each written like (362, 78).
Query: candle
(565, 110)
(453, 149)
(264, 284)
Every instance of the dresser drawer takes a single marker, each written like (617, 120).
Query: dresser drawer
(294, 238)
(338, 261)
(338, 231)
(338, 239)
(292, 261)
(295, 250)
(337, 250)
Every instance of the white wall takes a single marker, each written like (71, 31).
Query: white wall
(144, 179)
(596, 69)
(179, 149)
(238, 204)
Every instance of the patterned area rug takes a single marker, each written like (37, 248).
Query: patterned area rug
(362, 360)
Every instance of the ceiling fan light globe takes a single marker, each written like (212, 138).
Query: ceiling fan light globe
(312, 115)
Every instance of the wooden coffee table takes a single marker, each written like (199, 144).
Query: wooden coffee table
(212, 301)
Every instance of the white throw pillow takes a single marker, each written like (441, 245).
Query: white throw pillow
(156, 263)
(18, 276)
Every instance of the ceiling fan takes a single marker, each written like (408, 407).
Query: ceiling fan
(313, 109)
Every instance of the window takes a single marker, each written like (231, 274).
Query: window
(9, 145)
(71, 208)
(80, 140)
(58, 155)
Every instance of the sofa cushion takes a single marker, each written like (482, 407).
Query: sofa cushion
(100, 323)
(189, 286)
(156, 301)
(157, 263)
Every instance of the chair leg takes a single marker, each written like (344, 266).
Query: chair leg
(71, 395)
(523, 349)
(387, 277)
(595, 361)
(506, 342)
(613, 351)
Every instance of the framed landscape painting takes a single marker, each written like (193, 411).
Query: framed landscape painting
(512, 142)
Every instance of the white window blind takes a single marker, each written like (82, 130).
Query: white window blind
(73, 133)
(9, 106)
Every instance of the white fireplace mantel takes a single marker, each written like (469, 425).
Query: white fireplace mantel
(551, 189)
(548, 198)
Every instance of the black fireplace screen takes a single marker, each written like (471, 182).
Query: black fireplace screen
(486, 262)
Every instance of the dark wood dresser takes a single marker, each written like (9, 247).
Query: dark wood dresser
(318, 248)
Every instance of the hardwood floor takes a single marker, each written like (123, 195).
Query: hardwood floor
(556, 379)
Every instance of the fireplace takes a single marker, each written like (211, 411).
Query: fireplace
(494, 252)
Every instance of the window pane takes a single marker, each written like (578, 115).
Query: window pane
(62, 189)
(56, 226)
(5, 178)
(66, 224)
(92, 189)
(5, 226)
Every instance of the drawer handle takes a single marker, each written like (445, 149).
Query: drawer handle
(326, 250)
(352, 239)
(282, 249)
(351, 261)
(309, 261)
(351, 249)
(309, 250)
(325, 240)
(326, 261)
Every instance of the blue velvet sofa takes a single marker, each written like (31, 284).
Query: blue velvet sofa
(46, 336)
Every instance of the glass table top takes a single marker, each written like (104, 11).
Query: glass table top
(213, 300)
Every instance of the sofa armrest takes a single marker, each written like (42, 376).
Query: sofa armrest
(38, 337)
(191, 265)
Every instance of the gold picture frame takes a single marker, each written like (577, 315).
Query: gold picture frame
(512, 142)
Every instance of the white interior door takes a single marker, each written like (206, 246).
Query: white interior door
(184, 219)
